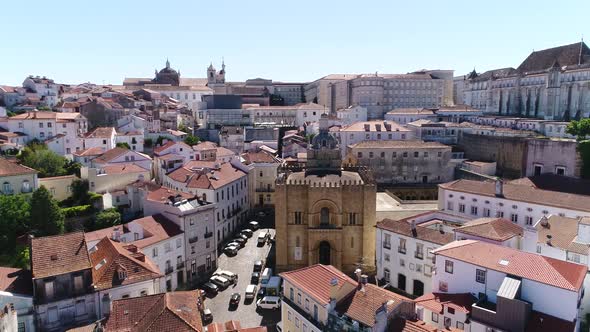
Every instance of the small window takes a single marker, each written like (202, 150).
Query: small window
(480, 276)
(449, 266)
(434, 317)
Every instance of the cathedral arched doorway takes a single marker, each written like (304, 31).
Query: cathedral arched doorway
(324, 252)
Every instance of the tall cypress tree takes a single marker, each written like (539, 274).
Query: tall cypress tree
(46, 216)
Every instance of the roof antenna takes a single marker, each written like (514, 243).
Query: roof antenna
(581, 48)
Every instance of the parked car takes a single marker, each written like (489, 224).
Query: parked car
(255, 278)
(269, 302)
(258, 265)
(231, 250)
(234, 300)
(242, 236)
(233, 243)
(262, 237)
(220, 281)
(226, 274)
(261, 214)
(251, 291)
(266, 274)
(210, 288)
(240, 241)
(207, 315)
(254, 225)
(247, 232)
(261, 293)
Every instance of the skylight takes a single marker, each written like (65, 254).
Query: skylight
(504, 262)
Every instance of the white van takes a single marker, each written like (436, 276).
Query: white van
(220, 281)
(269, 302)
(251, 291)
(266, 274)
(226, 274)
(262, 238)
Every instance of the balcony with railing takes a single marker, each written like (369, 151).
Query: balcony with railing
(387, 245)
(193, 239)
(179, 265)
(401, 250)
(419, 254)
(208, 235)
(169, 269)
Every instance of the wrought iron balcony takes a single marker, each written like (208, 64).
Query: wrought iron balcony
(401, 250)
(179, 265)
(193, 239)
(208, 235)
(169, 269)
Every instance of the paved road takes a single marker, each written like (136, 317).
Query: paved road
(242, 264)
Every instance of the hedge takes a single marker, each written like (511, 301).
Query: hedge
(78, 211)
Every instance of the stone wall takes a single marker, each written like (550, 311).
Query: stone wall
(508, 152)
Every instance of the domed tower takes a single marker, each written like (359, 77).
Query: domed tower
(167, 75)
(323, 155)
(221, 76)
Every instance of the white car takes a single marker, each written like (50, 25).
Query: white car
(251, 291)
(234, 244)
(231, 250)
(220, 281)
(269, 302)
(226, 274)
(254, 225)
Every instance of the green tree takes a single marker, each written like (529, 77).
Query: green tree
(160, 140)
(580, 129)
(46, 216)
(107, 218)
(72, 167)
(80, 194)
(47, 162)
(123, 145)
(183, 128)
(148, 142)
(14, 220)
(192, 140)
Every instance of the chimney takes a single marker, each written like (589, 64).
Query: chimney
(413, 226)
(333, 288)
(139, 256)
(544, 221)
(499, 188)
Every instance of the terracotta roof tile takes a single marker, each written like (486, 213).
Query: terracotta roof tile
(101, 132)
(399, 324)
(563, 232)
(111, 154)
(206, 174)
(59, 254)
(205, 146)
(522, 193)
(258, 157)
(497, 229)
(96, 151)
(42, 115)
(124, 168)
(156, 228)
(530, 266)
(173, 311)
(162, 194)
(565, 55)
(421, 232)
(169, 144)
(362, 305)
(414, 144)
(16, 281)
(110, 257)
(9, 168)
(436, 301)
(315, 280)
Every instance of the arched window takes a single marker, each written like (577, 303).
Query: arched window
(204, 197)
(386, 275)
(324, 216)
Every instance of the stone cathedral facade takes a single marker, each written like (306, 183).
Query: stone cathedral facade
(552, 84)
(325, 213)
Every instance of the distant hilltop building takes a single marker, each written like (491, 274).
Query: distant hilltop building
(380, 93)
(552, 84)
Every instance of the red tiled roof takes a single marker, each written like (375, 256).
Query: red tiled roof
(436, 301)
(162, 194)
(169, 144)
(219, 174)
(522, 193)
(59, 254)
(109, 257)
(156, 228)
(205, 146)
(9, 168)
(124, 168)
(16, 281)
(42, 115)
(362, 305)
(258, 157)
(173, 311)
(101, 132)
(497, 229)
(563, 232)
(96, 151)
(315, 280)
(526, 265)
(404, 227)
(111, 154)
(360, 126)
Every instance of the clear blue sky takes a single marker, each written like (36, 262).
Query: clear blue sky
(107, 40)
